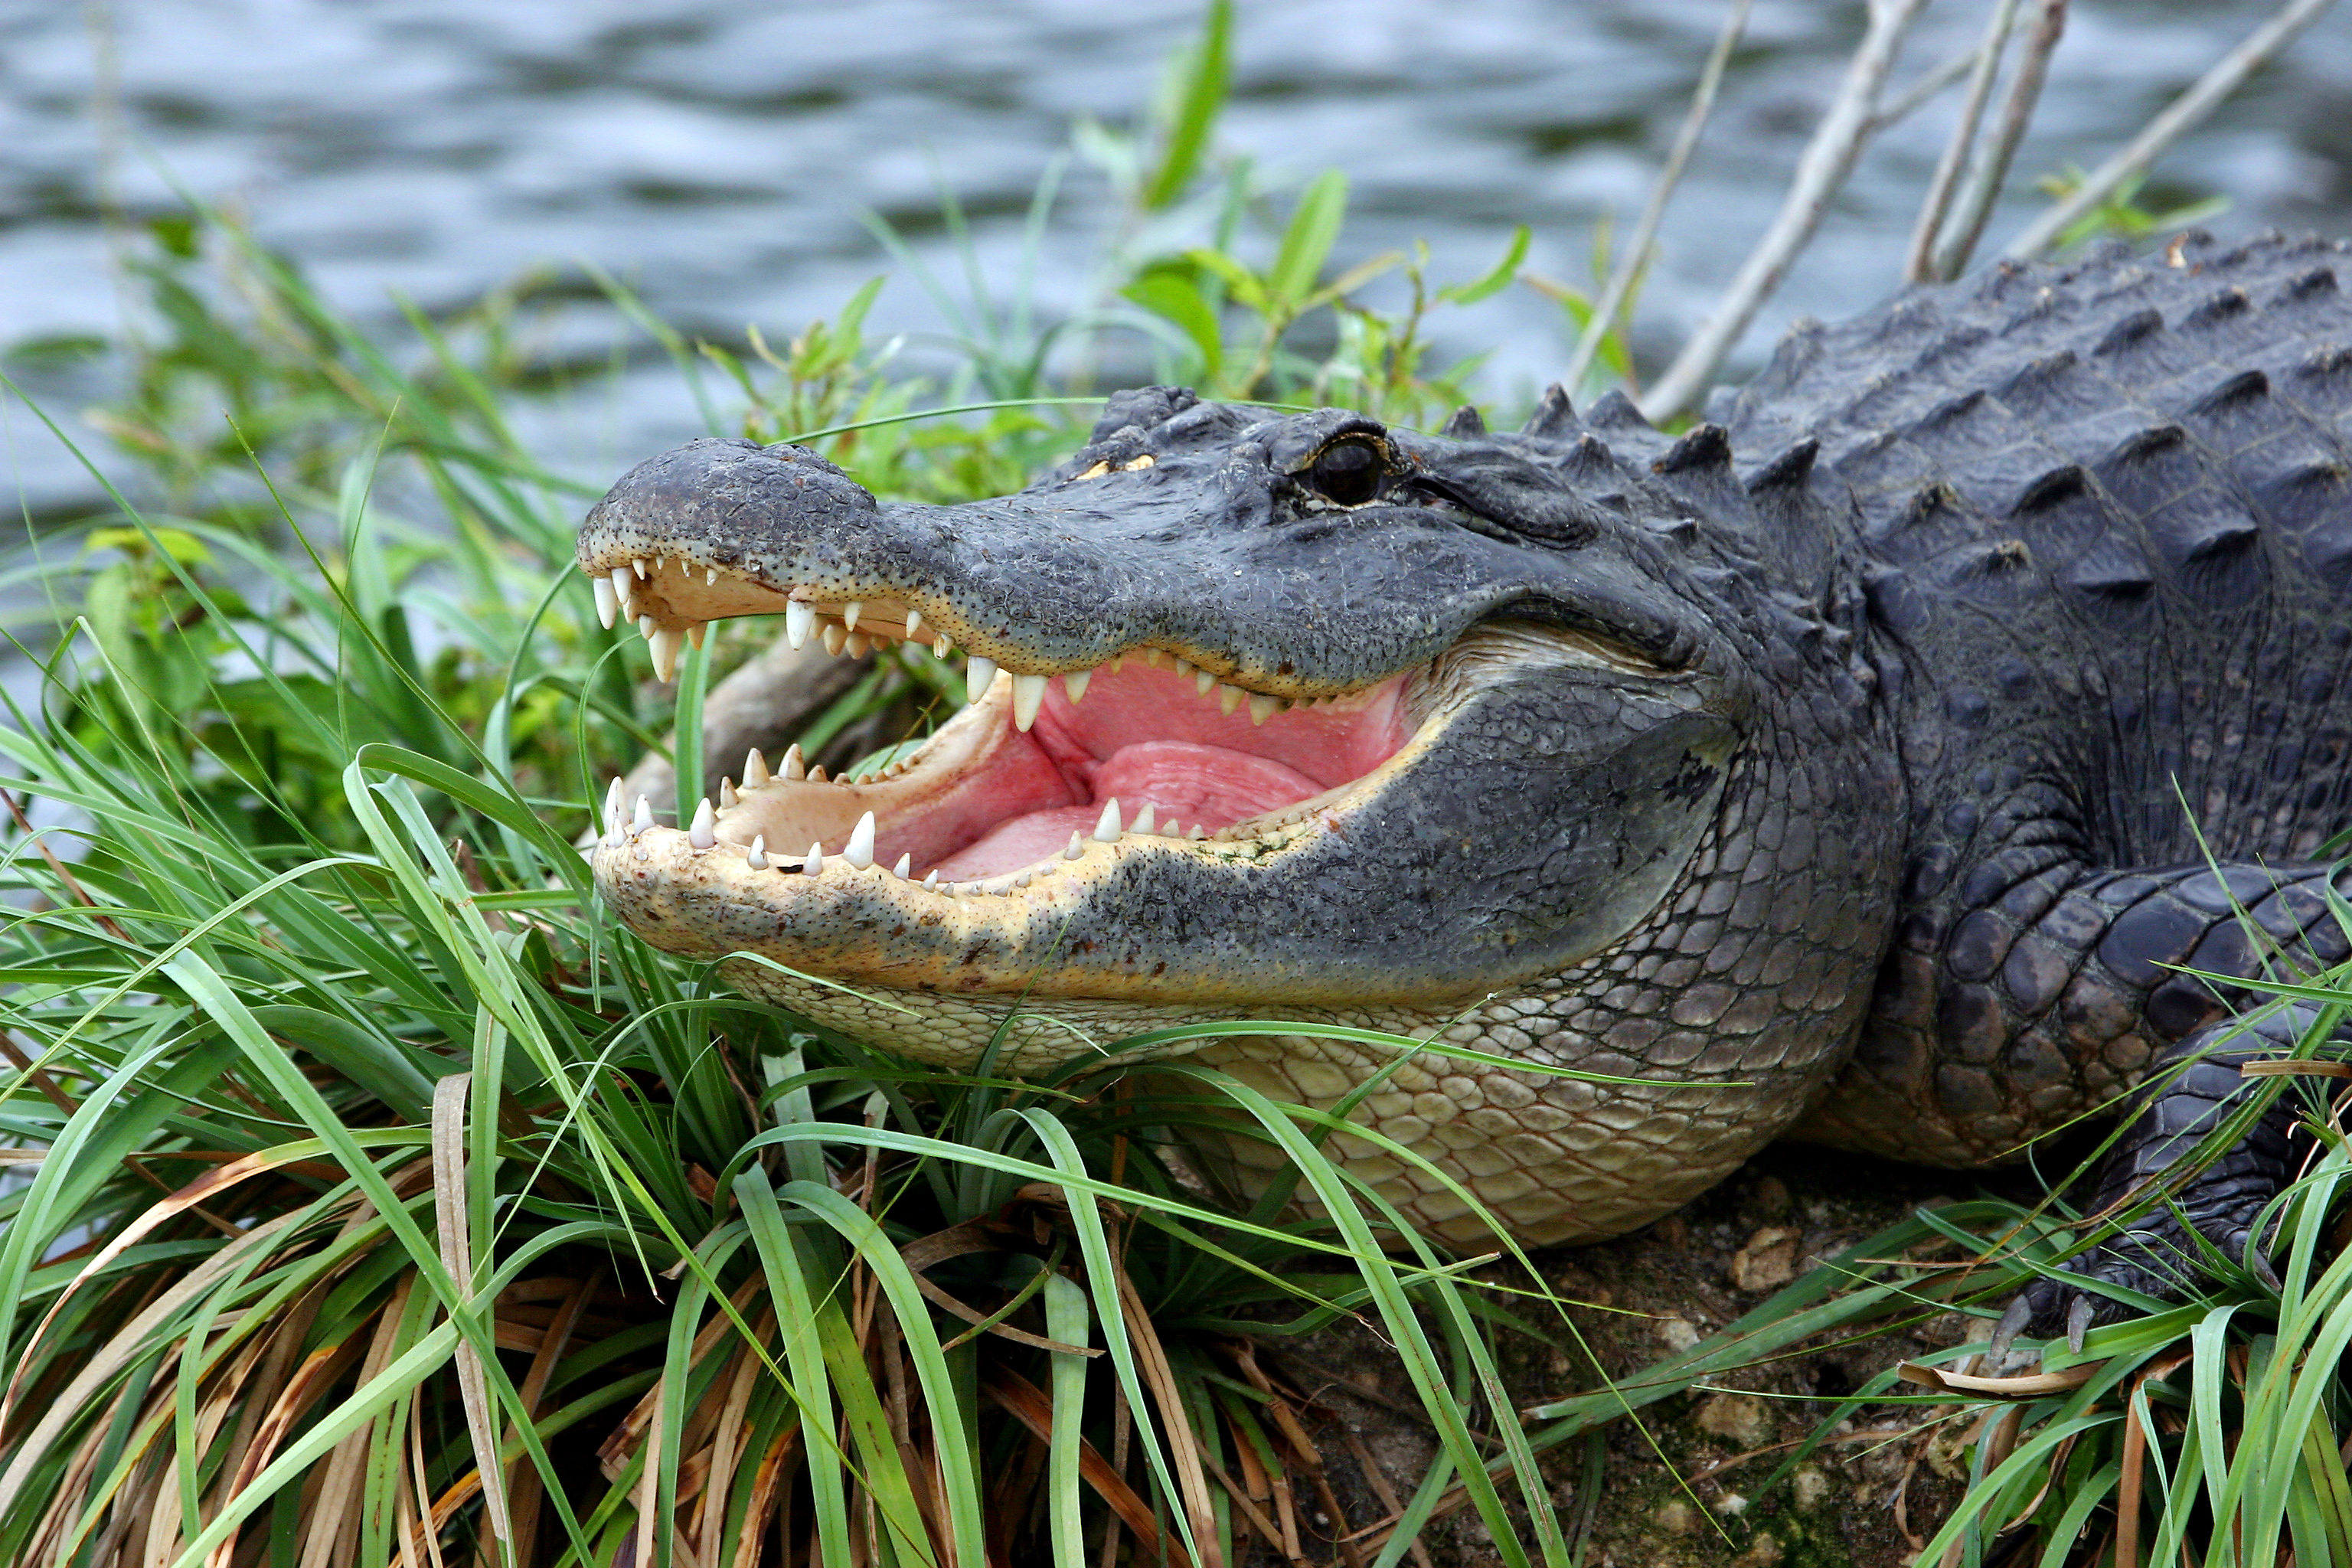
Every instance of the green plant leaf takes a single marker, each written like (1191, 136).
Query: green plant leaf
(1496, 280)
(1306, 242)
(1174, 293)
(1206, 80)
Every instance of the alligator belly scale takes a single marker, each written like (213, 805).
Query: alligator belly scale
(1836, 768)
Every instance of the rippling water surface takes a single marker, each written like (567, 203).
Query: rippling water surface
(721, 155)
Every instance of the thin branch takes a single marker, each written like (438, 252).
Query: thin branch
(1630, 258)
(1985, 181)
(1916, 96)
(1821, 174)
(2178, 119)
(1918, 265)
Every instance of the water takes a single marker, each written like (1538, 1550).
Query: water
(721, 155)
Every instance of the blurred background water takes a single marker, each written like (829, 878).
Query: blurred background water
(720, 156)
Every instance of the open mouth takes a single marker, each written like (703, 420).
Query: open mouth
(1146, 749)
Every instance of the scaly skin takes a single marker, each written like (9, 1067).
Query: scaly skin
(1827, 788)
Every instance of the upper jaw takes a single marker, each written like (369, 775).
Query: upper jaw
(1190, 555)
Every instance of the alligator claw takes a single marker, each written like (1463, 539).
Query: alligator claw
(2078, 1323)
(2013, 1323)
(2266, 1274)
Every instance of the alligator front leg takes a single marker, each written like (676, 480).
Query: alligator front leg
(2051, 997)
(2195, 1088)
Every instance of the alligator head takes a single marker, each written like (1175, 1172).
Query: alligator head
(1293, 717)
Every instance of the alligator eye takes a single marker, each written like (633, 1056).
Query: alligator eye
(1348, 472)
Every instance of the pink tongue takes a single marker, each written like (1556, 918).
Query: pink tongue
(1184, 782)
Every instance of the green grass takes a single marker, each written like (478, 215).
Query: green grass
(360, 1156)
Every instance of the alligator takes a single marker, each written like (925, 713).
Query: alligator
(1905, 758)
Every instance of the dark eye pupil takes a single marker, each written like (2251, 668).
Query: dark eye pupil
(1348, 472)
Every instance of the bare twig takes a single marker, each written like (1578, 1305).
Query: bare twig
(1918, 265)
(1637, 250)
(38, 1077)
(1991, 171)
(1918, 95)
(2179, 117)
(1822, 172)
(65, 878)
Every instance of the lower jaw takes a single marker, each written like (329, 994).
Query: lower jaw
(934, 968)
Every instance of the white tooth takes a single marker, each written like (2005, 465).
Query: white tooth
(1077, 846)
(613, 812)
(647, 627)
(1200, 830)
(755, 769)
(1075, 683)
(795, 766)
(1143, 820)
(851, 611)
(666, 647)
(914, 625)
(709, 576)
(1107, 829)
(1028, 692)
(857, 643)
(1021, 880)
(694, 633)
(1181, 666)
(834, 635)
(660, 561)
(625, 584)
(705, 831)
(608, 603)
(1203, 680)
(978, 675)
(643, 817)
(726, 796)
(859, 850)
(1262, 708)
(939, 645)
(905, 864)
(932, 882)
(800, 619)
(1229, 698)
(816, 774)
(757, 856)
(816, 861)
(640, 564)
(1117, 662)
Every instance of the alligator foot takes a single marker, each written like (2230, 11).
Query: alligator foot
(2195, 1087)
